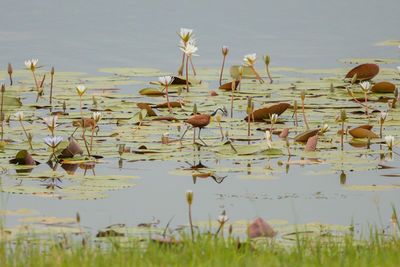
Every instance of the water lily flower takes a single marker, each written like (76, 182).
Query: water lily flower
(365, 86)
(31, 64)
(225, 50)
(249, 59)
(190, 49)
(53, 142)
(81, 89)
(383, 116)
(324, 128)
(189, 196)
(185, 34)
(389, 141)
(96, 116)
(19, 115)
(51, 121)
(166, 80)
(274, 118)
(222, 219)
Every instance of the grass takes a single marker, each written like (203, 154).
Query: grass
(205, 251)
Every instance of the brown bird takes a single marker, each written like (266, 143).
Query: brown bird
(200, 121)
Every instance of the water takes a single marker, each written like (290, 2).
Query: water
(84, 36)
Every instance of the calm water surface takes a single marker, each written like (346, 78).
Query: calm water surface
(87, 35)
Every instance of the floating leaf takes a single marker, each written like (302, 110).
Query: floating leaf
(303, 137)
(383, 87)
(362, 132)
(364, 72)
(312, 143)
(151, 91)
(265, 113)
(24, 158)
(172, 104)
(371, 187)
(150, 111)
(228, 86)
(369, 60)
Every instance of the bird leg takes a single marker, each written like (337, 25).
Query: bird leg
(184, 133)
(200, 138)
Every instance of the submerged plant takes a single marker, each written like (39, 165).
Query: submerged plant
(267, 60)
(189, 50)
(249, 60)
(225, 50)
(189, 199)
(20, 115)
(303, 96)
(166, 81)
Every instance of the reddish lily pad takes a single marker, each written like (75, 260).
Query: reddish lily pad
(303, 137)
(383, 87)
(260, 228)
(363, 131)
(364, 72)
(150, 91)
(150, 111)
(265, 113)
(312, 143)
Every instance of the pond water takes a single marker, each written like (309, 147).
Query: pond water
(85, 36)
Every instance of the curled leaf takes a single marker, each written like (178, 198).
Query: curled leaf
(364, 72)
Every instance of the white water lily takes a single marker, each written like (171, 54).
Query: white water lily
(274, 118)
(222, 219)
(31, 64)
(81, 89)
(365, 86)
(166, 80)
(383, 116)
(19, 115)
(53, 142)
(225, 50)
(398, 69)
(324, 128)
(190, 49)
(249, 59)
(96, 116)
(185, 34)
(389, 141)
(51, 121)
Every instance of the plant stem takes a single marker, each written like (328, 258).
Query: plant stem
(366, 105)
(83, 125)
(37, 86)
(257, 75)
(381, 130)
(26, 134)
(190, 220)
(51, 90)
(191, 63)
(304, 114)
(11, 80)
(341, 140)
(180, 71)
(233, 90)
(248, 124)
(355, 99)
(220, 128)
(169, 106)
(91, 139)
(187, 75)
(2, 116)
(269, 75)
(222, 70)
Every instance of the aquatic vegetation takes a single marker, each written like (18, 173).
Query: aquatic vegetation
(225, 50)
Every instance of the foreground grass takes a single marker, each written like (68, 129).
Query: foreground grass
(206, 251)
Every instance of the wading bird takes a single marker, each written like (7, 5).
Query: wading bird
(200, 121)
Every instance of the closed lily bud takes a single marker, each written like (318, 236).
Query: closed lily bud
(10, 70)
(354, 79)
(249, 100)
(267, 59)
(3, 87)
(303, 94)
(332, 89)
(383, 117)
(287, 142)
(240, 71)
(274, 118)
(64, 106)
(164, 138)
(324, 128)
(121, 149)
(189, 196)
(343, 115)
(78, 217)
(52, 71)
(194, 109)
(225, 50)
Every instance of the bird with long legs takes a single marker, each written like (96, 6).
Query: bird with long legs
(200, 121)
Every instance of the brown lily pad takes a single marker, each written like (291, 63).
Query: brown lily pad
(383, 87)
(364, 72)
(265, 113)
(165, 118)
(228, 86)
(312, 143)
(363, 132)
(284, 133)
(260, 228)
(303, 137)
(24, 158)
(172, 104)
(150, 111)
(71, 150)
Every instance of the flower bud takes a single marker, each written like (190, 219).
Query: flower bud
(64, 106)
(240, 71)
(332, 89)
(52, 71)
(249, 100)
(189, 196)
(383, 117)
(194, 109)
(10, 70)
(303, 94)
(225, 50)
(121, 149)
(164, 138)
(343, 115)
(354, 79)
(231, 228)
(324, 128)
(267, 59)
(78, 218)
(3, 88)
(222, 219)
